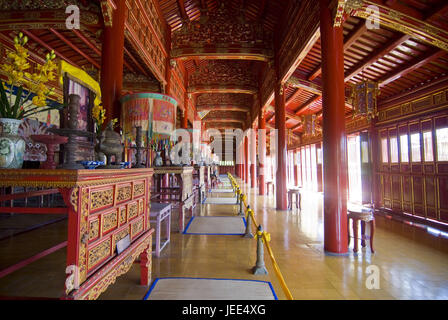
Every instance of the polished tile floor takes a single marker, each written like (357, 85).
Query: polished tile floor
(408, 270)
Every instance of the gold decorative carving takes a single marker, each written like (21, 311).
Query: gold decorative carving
(122, 215)
(136, 228)
(74, 198)
(82, 260)
(115, 272)
(107, 11)
(38, 178)
(123, 193)
(101, 198)
(99, 252)
(140, 207)
(434, 101)
(132, 210)
(139, 189)
(94, 229)
(110, 221)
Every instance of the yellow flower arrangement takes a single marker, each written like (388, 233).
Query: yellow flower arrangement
(15, 69)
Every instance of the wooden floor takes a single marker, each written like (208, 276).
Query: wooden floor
(408, 269)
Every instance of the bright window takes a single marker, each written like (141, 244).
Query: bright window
(393, 149)
(354, 169)
(384, 150)
(404, 148)
(442, 144)
(415, 147)
(427, 146)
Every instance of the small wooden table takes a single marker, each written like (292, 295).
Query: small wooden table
(295, 192)
(180, 193)
(268, 184)
(161, 212)
(363, 214)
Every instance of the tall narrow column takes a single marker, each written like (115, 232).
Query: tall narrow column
(261, 150)
(334, 139)
(246, 160)
(319, 166)
(185, 117)
(253, 159)
(112, 54)
(243, 170)
(240, 160)
(280, 125)
(296, 168)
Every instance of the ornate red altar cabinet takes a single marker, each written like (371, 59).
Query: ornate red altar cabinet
(103, 207)
(175, 185)
(199, 182)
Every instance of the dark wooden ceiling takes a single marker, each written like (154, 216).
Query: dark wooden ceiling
(267, 11)
(398, 62)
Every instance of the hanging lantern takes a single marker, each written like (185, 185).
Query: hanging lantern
(364, 99)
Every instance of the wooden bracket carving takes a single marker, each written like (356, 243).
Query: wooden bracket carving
(343, 8)
(107, 7)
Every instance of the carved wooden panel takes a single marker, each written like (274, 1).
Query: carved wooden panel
(443, 198)
(145, 30)
(222, 32)
(417, 189)
(430, 196)
(113, 211)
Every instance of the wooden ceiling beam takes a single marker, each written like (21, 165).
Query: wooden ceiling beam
(375, 56)
(223, 120)
(183, 12)
(355, 35)
(45, 45)
(412, 66)
(98, 52)
(221, 108)
(390, 45)
(305, 106)
(288, 114)
(293, 96)
(138, 65)
(398, 6)
(71, 45)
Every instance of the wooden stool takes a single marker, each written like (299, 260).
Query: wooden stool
(160, 212)
(295, 192)
(268, 184)
(364, 215)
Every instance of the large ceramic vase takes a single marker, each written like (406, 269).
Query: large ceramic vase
(12, 146)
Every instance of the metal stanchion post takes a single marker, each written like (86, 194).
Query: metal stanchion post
(241, 213)
(260, 268)
(248, 233)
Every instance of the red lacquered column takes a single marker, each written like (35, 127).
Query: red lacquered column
(253, 157)
(334, 139)
(246, 160)
(112, 54)
(280, 125)
(261, 150)
(242, 161)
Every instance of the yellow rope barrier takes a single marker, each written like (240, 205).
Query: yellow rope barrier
(266, 239)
